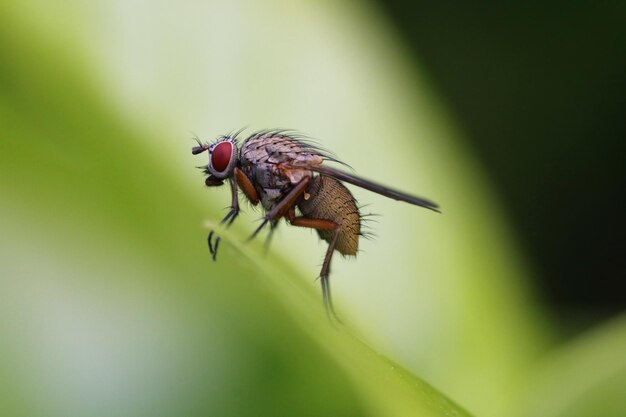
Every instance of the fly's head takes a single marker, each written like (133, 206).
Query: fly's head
(223, 155)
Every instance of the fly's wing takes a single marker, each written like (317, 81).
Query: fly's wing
(371, 186)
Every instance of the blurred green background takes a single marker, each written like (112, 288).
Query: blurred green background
(510, 119)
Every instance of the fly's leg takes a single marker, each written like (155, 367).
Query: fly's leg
(246, 186)
(213, 249)
(234, 205)
(322, 224)
(268, 239)
(284, 205)
(230, 217)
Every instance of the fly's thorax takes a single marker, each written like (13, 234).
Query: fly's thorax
(268, 161)
(271, 183)
(329, 199)
(270, 197)
(267, 150)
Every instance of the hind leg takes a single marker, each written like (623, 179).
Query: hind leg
(322, 224)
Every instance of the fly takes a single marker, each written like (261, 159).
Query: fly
(286, 174)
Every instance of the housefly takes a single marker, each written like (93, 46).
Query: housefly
(289, 176)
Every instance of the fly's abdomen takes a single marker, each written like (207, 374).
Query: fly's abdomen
(329, 199)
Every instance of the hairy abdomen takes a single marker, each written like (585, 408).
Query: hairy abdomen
(331, 200)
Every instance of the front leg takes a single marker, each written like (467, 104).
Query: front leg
(240, 180)
(230, 218)
(234, 204)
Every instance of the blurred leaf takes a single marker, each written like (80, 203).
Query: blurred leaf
(586, 377)
(109, 303)
(103, 219)
(338, 71)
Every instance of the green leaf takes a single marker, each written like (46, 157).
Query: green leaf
(585, 377)
(110, 304)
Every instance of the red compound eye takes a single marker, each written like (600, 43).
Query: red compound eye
(220, 158)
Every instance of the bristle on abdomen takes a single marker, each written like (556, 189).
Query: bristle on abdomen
(331, 200)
